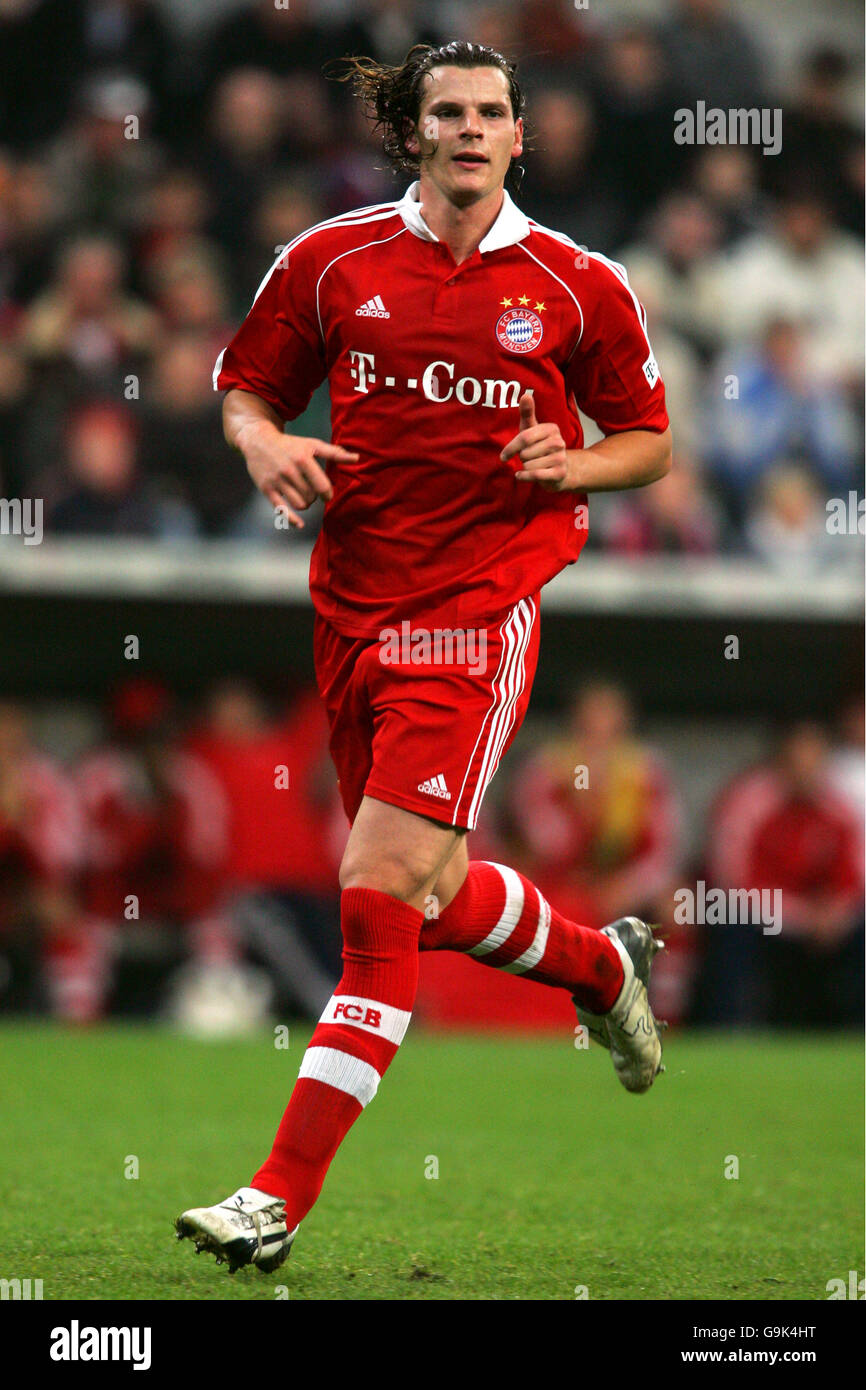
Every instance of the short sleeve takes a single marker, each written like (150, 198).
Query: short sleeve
(277, 352)
(613, 371)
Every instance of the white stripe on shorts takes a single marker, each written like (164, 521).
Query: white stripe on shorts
(508, 683)
(516, 679)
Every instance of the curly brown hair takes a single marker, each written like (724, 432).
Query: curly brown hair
(392, 95)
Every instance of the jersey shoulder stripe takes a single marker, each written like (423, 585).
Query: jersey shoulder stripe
(351, 251)
(557, 236)
(361, 217)
(615, 267)
(622, 274)
(521, 245)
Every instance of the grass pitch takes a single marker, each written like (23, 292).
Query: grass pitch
(551, 1179)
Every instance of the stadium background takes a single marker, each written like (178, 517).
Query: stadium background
(155, 648)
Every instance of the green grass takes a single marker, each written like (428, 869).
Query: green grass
(550, 1175)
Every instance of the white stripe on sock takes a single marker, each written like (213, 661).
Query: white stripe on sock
(533, 954)
(342, 1071)
(510, 913)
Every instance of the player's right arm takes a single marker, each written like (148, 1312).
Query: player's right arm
(288, 469)
(269, 372)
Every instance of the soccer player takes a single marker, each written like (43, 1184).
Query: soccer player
(458, 338)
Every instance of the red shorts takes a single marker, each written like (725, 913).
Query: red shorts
(421, 718)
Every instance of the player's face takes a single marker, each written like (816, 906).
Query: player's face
(466, 133)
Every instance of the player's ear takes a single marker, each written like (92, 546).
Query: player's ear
(410, 138)
(517, 147)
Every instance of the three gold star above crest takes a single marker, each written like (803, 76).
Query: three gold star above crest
(524, 300)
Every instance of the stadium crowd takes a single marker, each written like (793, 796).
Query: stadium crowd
(209, 839)
(147, 189)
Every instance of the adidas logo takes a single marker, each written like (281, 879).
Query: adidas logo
(373, 309)
(435, 786)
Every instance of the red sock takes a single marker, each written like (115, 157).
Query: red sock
(501, 919)
(354, 1042)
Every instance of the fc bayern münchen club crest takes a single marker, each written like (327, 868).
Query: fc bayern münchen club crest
(519, 330)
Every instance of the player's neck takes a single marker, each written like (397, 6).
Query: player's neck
(462, 229)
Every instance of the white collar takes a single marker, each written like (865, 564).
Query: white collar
(510, 226)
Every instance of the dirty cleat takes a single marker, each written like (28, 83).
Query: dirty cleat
(247, 1228)
(628, 1030)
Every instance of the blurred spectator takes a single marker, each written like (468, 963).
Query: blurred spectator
(387, 29)
(41, 846)
(132, 36)
(725, 177)
(674, 266)
(245, 747)
(804, 270)
(40, 61)
(497, 25)
(355, 174)
(183, 451)
(156, 835)
(821, 144)
(287, 208)
(29, 225)
(596, 813)
(191, 295)
(787, 525)
(561, 188)
(174, 216)
(848, 762)
(275, 772)
(638, 160)
(104, 162)
(85, 321)
(102, 492)
(553, 35)
(675, 517)
(14, 399)
(241, 155)
(711, 55)
(279, 41)
(765, 405)
(848, 766)
(782, 827)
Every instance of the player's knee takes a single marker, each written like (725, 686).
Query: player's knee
(395, 878)
(396, 885)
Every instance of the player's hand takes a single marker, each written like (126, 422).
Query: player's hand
(289, 469)
(541, 449)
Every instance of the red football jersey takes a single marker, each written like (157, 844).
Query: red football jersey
(426, 361)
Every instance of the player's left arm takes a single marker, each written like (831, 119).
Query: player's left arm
(632, 458)
(612, 375)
